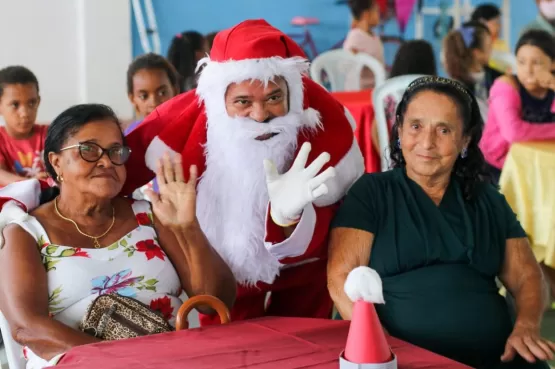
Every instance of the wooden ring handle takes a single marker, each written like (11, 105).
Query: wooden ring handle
(201, 300)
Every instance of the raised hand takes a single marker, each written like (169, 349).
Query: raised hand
(290, 192)
(175, 205)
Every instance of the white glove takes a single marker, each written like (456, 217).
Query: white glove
(10, 211)
(290, 192)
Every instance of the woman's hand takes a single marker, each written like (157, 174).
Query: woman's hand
(526, 341)
(175, 205)
(545, 79)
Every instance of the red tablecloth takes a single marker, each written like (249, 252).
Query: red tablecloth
(359, 104)
(283, 343)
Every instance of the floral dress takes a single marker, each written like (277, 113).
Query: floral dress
(135, 266)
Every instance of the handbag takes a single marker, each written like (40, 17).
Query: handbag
(114, 317)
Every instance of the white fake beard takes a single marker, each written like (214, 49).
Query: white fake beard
(232, 198)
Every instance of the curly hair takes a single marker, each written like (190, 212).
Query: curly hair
(472, 169)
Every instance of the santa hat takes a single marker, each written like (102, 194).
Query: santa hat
(254, 50)
(366, 346)
(251, 50)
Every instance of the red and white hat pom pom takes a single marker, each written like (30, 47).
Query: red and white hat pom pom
(366, 347)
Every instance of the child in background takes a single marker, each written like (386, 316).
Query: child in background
(361, 38)
(490, 16)
(522, 107)
(21, 140)
(413, 57)
(467, 52)
(185, 50)
(151, 81)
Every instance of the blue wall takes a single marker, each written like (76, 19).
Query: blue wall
(174, 16)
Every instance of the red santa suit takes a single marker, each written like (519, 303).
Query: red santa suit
(261, 256)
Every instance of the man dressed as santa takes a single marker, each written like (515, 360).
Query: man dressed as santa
(275, 152)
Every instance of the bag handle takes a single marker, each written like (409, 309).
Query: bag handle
(201, 300)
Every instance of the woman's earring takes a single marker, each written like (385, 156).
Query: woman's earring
(464, 153)
(399, 143)
(60, 178)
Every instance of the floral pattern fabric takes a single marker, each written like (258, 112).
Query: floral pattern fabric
(134, 266)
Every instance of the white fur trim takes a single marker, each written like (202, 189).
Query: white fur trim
(155, 151)
(351, 119)
(298, 242)
(312, 118)
(347, 171)
(365, 284)
(216, 77)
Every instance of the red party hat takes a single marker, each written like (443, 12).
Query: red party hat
(366, 343)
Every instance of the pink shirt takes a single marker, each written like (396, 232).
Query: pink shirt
(23, 157)
(505, 125)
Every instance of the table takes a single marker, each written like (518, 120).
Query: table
(360, 105)
(527, 181)
(283, 343)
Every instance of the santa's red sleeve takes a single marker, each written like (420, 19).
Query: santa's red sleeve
(335, 136)
(149, 141)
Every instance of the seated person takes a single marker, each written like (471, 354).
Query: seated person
(467, 52)
(439, 235)
(151, 81)
(362, 39)
(522, 107)
(21, 140)
(490, 16)
(546, 18)
(88, 241)
(413, 57)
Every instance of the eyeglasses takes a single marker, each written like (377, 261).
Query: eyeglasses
(92, 152)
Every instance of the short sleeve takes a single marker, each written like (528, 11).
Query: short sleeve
(514, 228)
(358, 209)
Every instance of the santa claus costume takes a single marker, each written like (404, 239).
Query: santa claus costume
(243, 205)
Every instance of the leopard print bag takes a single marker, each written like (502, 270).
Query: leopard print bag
(114, 317)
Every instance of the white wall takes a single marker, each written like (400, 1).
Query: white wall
(79, 50)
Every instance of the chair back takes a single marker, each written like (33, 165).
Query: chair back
(394, 87)
(14, 352)
(343, 69)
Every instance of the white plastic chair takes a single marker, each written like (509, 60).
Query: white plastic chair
(340, 64)
(14, 352)
(504, 58)
(396, 87)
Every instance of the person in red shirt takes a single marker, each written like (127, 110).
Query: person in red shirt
(21, 140)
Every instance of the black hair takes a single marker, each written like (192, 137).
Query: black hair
(182, 55)
(485, 12)
(151, 61)
(414, 57)
(540, 39)
(210, 39)
(458, 49)
(360, 6)
(68, 123)
(16, 75)
(471, 170)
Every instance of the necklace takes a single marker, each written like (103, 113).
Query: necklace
(94, 238)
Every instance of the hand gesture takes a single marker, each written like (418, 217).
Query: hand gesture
(290, 192)
(175, 205)
(526, 341)
(545, 78)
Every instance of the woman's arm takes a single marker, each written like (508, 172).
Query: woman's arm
(348, 248)
(200, 268)
(24, 299)
(523, 278)
(506, 106)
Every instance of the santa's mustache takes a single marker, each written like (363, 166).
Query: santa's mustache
(248, 127)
